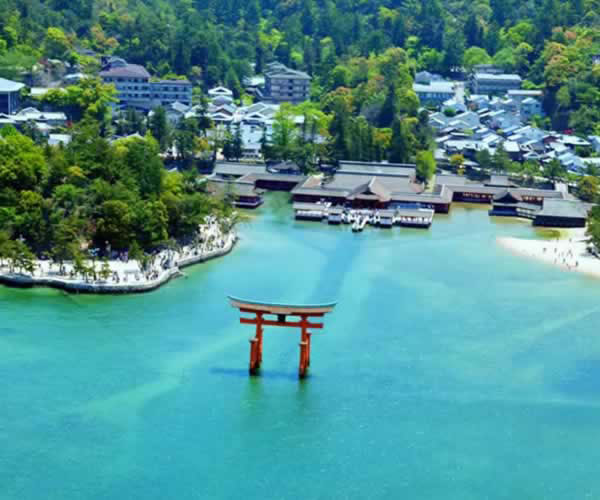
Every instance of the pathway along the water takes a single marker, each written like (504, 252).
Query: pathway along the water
(450, 369)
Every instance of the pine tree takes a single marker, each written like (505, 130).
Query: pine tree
(388, 111)
(237, 144)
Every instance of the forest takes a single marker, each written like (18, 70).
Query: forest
(550, 43)
(57, 201)
(362, 55)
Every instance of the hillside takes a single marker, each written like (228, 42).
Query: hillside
(548, 42)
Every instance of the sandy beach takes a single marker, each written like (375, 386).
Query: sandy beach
(568, 253)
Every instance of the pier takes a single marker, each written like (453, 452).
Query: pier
(359, 218)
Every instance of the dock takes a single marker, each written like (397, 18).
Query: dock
(358, 219)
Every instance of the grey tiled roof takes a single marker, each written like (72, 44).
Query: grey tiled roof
(563, 208)
(238, 169)
(127, 71)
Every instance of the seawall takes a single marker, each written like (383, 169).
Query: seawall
(18, 280)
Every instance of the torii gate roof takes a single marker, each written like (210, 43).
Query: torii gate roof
(278, 308)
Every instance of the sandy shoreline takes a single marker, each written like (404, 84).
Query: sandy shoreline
(126, 277)
(568, 253)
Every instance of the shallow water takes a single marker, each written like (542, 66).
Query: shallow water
(450, 369)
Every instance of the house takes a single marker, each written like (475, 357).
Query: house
(221, 114)
(477, 101)
(221, 100)
(595, 142)
(9, 96)
(252, 84)
(435, 92)
(488, 68)
(135, 90)
(455, 105)
(44, 121)
(56, 139)
(283, 84)
(522, 94)
(573, 141)
(502, 120)
(531, 107)
(244, 194)
(174, 111)
(220, 92)
(490, 83)
(513, 149)
(72, 78)
(426, 77)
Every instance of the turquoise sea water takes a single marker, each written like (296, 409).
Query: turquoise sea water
(449, 370)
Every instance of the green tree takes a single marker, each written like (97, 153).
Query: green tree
(425, 166)
(457, 160)
(159, 127)
(237, 144)
(474, 56)
(554, 170)
(282, 141)
(56, 43)
(105, 270)
(66, 240)
(588, 188)
(403, 141)
(593, 227)
(114, 225)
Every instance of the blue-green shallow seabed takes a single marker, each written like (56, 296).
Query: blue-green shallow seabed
(450, 369)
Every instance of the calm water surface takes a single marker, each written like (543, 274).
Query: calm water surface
(450, 370)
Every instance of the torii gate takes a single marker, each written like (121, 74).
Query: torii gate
(281, 311)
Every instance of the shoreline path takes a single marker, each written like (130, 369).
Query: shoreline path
(125, 276)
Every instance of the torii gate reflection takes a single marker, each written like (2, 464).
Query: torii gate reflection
(281, 311)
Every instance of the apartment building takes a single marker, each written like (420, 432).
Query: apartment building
(283, 84)
(136, 90)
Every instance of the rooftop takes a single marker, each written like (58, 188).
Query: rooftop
(389, 169)
(523, 92)
(446, 87)
(127, 71)
(10, 86)
(492, 76)
(238, 169)
(563, 208)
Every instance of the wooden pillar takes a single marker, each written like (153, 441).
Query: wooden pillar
(254, 365)
(259, 336)
(256, 346)
(308, 336)
(304, 343)
(303, 359)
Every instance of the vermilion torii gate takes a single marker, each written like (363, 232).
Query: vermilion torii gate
(281, 312)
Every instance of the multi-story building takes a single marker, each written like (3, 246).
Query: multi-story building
(435, 92)
(9, 96)
(488, 83)
(283, 84)
(135, 90)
